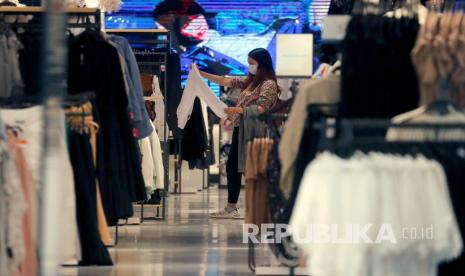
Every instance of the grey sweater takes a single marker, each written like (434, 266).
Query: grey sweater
(249, 128)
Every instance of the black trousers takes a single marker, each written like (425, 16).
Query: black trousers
(93, 250)
(232, 173)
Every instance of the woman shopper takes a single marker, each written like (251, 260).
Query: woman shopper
(260, 88)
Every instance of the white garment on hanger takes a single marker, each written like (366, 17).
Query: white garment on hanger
(15, 208)
(152, 162)
(376, 189)
(147, 163)
(196, 87)
(160, 121)
(157, 155)
(30, 121)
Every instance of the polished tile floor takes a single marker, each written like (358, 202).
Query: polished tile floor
(186, 243)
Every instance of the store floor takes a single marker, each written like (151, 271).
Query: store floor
(187, 243)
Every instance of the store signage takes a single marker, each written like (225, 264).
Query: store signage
(294, 55)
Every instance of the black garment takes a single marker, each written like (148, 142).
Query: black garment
(174, 94)
(232, 171)
(92, 62)
(338, 7)
(8, 4)
(285, 251)
(378, 77)
(30, 61)
(93, 250)
(195, 145)
(453, 162)
(275, 195)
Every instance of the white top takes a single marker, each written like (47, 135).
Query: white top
(196, 87)
(394, 194)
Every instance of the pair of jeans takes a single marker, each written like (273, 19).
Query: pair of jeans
(232, 170)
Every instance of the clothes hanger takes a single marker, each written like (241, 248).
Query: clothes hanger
(443, 105)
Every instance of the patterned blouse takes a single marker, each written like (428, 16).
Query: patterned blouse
(265, 95)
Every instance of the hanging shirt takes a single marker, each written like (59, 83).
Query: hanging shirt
(376, 189)
(160, 120)
(11, 83)
(322, 91)
(152, 162)
(196, 87)
(159, 170)
(135, 93)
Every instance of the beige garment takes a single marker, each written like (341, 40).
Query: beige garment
(28, 265)
(88, 125)
(101, 218)
(439, 55)
(147, 81)
(443, 58)
(250, 173)
(458, 78)
(457, 74)
(256, 189)
(420, 115)
(424, 61)
(326, 91)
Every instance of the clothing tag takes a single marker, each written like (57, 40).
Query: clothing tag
(18, 130)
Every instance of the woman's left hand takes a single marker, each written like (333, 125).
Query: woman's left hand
(234, 110)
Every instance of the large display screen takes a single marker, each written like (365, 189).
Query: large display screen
(219, 34)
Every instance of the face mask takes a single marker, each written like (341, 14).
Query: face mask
(253, 69)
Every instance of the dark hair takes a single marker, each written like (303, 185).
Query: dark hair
(265, 70)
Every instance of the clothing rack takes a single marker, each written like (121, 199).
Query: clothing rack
(53, 20)
(330, 110)
(38, 21)
(152, 43)
(271, 270)
(85, 13)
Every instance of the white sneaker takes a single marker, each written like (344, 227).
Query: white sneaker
(224, 214)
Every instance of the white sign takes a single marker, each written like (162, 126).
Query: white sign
(294, 55)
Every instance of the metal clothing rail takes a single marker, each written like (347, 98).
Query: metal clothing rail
(40, 11)
(31, 10)
(152, 43)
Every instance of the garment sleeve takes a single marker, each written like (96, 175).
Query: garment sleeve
(237, 83)
(268, 94)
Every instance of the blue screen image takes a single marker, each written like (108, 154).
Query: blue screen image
(220, 38)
